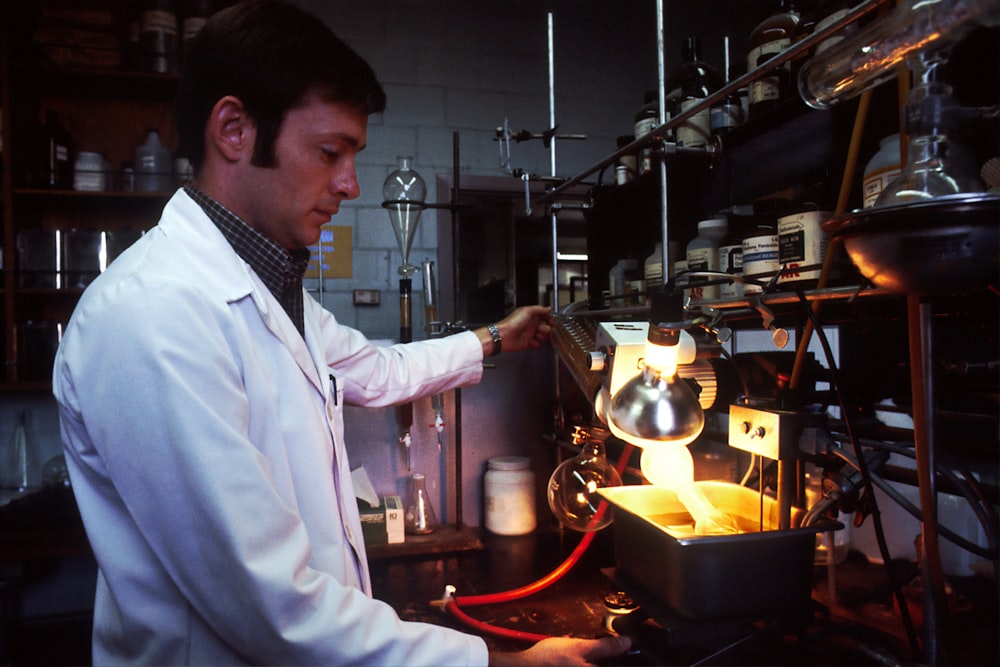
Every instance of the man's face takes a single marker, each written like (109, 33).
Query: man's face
(314, 172)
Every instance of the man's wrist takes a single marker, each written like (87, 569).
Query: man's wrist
(494, 332)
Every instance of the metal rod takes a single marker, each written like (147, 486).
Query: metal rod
(552, 159)
(728, 89)
(552, 98)
(922, 389)
(666, 270)
(455, 217)
(826, 294)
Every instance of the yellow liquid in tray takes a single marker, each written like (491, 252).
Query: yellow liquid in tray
(681, 524)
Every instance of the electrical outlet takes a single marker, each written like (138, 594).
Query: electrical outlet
(367, 297)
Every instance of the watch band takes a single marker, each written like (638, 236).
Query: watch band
(497, 340)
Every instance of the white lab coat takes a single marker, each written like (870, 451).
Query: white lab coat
(205, 445)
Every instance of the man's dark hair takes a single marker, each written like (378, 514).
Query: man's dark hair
(269, 54)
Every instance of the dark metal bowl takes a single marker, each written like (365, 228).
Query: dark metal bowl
(945, 244)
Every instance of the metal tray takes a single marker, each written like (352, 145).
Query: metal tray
(942, 244)
(751, 574)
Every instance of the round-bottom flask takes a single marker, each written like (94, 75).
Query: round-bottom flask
(573, 487)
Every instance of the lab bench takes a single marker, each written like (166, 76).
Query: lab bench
(852, 623)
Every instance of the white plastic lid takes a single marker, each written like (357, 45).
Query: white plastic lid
(713, 223)
(509, 463)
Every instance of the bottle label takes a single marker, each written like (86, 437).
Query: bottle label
(760, 259)
(877, 181)
(725, 117)
(678, 268)
(702, 259)
(766, 88)
(731, 262)
(155, 20)
(644, 126)
(802, 243)
(695, 130)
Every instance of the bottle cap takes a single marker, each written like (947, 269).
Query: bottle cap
(713, 223)
(509, 463)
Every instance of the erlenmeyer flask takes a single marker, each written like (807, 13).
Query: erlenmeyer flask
(573, 486)
(403, 195)
(418, 518)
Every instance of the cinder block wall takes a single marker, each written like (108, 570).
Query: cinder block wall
(451, 66)
(464, 67)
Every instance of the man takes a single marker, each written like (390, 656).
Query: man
(201, 392)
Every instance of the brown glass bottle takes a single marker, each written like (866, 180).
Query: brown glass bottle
(53, 156)
(771, 36)
(693, 81)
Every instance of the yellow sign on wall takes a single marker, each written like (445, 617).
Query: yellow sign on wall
(331, 257)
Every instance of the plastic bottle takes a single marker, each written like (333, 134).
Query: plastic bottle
(801, 239)
(731, 262)
(802, 242)
(693, 81)
(625, 170)
(509, 490)
(158, 42)
(760, 245)
(678, 272)
(771, 36)
(652, 270)
(53, 155)
(703, 255)
(153, 165)
(89, 172)
(624, 283)
(882, 169)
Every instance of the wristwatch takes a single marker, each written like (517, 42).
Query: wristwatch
(497, 340)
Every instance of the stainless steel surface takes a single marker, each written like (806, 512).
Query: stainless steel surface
(655, 407)
(941, 244)
(754, 573)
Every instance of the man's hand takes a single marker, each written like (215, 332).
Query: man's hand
(527, 328)
(564, 652)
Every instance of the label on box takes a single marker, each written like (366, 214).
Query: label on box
(382, 524)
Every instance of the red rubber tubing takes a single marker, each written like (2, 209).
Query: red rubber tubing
(454, 605)
(495, 630)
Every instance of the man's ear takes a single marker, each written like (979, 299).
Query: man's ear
(229, 130)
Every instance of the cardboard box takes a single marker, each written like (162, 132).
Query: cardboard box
(382, 524)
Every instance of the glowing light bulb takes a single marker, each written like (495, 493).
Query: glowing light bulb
(661, 358)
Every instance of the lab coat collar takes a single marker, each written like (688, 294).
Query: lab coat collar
(186, 223)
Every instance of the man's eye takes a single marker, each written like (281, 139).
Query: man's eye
(329, 154)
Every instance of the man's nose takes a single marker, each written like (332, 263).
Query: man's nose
(345, 183)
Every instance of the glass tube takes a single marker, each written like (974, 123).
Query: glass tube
(871, 57)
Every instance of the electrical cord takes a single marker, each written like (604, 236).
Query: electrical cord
(968, 488)
(453, 605)
(866, 477)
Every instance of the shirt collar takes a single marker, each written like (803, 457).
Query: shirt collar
(280, 269)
